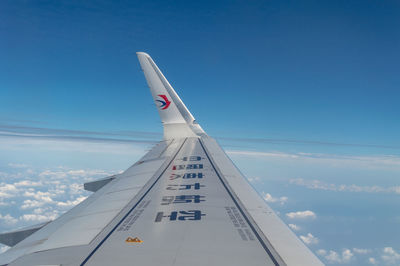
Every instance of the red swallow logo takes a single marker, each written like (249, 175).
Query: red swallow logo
(164, 102)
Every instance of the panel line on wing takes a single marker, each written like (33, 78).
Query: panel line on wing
(130, 211)
(275, 260)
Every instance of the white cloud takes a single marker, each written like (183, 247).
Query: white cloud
(263, 154)
(321, 252)
(72, 174)
(347, 255)
(43, 197)
(17, 165)
(8, 219)
(319, 185)
(372, 162)
(53, 174)
(42, 194)
(76, 188)
(254, 179)
(37, 218)
(301, 215)
(72, 203)
(334, 257)
(7, 190)
(4, 195)
(309, 239)
(294, 227)
(268, 198)
(40, 210)
(31, 204)
(3, 204)
(361, 250)
(28, 183)
(390, 256)
(79, 172)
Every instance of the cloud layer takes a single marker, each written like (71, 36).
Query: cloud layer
(268, 198)
(320, 185)
(301, 215)
(29, 195)
(369, 162)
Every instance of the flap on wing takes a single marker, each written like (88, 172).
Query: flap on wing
(97, 184)
(12, 238)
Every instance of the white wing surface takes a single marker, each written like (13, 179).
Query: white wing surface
(183, 203)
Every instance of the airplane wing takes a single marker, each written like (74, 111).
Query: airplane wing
(183, 203)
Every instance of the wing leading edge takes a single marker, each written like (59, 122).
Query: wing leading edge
(183, 203)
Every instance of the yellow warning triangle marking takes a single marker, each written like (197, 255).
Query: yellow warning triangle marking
(133, 240)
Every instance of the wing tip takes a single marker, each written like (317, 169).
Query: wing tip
(143, 54)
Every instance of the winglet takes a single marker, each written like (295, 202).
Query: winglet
(178, 122)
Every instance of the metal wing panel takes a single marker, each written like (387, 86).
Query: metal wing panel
(278, 236)
(186, 217)
(87, 224)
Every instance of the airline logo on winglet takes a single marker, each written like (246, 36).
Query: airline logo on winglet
(164, 102)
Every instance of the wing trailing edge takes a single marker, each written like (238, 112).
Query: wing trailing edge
(12, 238)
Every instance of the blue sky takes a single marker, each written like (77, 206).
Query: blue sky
(302, 94)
